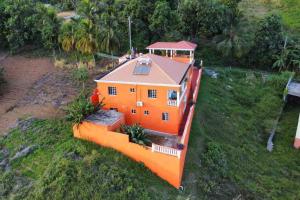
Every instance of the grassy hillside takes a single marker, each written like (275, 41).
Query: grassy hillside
(227, 155)
(288, 9)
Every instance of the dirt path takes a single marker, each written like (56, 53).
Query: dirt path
(35, 88)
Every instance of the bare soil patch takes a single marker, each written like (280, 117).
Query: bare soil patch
(34, 88)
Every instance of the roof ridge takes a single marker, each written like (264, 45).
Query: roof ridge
(163, 71)
(159, 66)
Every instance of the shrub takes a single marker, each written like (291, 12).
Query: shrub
(80, 108)
(136, 134)
(81, 75)
(278, 82)
(215, 158)
(268, 41)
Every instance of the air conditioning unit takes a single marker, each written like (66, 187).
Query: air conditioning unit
(139, 103)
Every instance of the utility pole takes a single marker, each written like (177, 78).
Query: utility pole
(129, 33)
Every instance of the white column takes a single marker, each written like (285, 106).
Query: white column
(297, 138)
(191, 57)
(178, 98)
(149, 51)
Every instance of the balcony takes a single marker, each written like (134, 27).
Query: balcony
(172, 102)
(172, 98)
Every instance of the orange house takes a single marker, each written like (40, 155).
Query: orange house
(151, 90)
(154, 91)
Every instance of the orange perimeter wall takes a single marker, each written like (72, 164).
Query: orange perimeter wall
(169, 168)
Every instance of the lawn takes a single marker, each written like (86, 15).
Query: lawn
(227, 155)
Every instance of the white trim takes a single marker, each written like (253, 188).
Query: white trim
(183, 94)
(137, 83)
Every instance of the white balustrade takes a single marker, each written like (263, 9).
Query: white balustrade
(172, 102)
(166, 150)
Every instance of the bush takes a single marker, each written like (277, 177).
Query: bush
(268, 41)
(136, 134)
(215, 159)
(81, 75)
(278, 82)
(80, 108)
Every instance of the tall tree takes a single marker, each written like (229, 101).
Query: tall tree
(202, 17)
(140, 12)
(47, 26)
(268, 42)
(20, 24)
(164, 21)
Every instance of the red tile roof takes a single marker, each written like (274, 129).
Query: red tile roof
(182, 45)
(163, 71)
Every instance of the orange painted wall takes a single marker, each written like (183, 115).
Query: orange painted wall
(181, 59)
(163, 165)
(125, 101)
(170, 168)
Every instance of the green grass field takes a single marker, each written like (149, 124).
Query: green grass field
(226, 159)
(288, 9)
(290, 12)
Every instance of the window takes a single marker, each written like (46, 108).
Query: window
(133, 111)
(131, 90)
(172, 95)
(115, 109)
(146, 112)
(112, 90)
(152, 94)
(165, 116)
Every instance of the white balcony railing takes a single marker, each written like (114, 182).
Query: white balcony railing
(166, 150)
(172, 102)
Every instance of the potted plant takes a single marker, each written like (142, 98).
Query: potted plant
(180, 146)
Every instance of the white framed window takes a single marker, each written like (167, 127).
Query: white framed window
(133, 111)
(132, 90)
(152, 94)
(165, 116)
(112, 91)
(146, 112)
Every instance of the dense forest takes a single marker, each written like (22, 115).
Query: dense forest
(102, 26)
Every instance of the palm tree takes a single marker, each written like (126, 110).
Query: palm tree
(110, 42)
(230, 44)
(288, 58)
(85, 41)
(66, 37)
